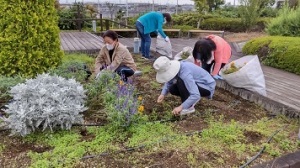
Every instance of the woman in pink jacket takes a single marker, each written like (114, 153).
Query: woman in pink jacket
(212, 53)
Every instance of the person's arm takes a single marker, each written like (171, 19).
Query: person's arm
(160, 26)
(100, 61)
(166, 87)
(192, 88)
(218, 64)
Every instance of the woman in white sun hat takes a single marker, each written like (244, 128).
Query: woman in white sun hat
(184, 79)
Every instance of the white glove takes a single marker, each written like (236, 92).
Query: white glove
(98, 75)
(167, 39)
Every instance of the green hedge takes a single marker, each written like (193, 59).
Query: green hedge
(277, 51)
(232, 24)
(29, 37)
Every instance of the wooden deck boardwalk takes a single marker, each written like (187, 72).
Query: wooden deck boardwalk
(282, 87)
(80, 42)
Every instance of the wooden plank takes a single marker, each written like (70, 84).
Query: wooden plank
(75, 42)
(72, 42)
(85, 40)
(287, 100)
(65, 39)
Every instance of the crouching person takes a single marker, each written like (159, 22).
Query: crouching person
(184, 79)
(115, 57)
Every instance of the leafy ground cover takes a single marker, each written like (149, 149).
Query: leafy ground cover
(224, 132)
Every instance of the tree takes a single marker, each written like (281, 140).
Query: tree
(265, 3)
(91, 10)
(201, 6)
(249, 12)
(29, 37)
(112, 9)
(215, 4)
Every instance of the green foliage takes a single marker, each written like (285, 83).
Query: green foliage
(249, 12)
(215, 4)
(227, 11)
(29, 37)
(269, 12)
(148, 133)
(201, 6)
(226, 24)
(6, 83)
(74, 66)
(286, 24)
(67, 14)
(278, 52)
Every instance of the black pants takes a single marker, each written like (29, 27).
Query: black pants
(179, 89)
(124, 72)
(208, 67)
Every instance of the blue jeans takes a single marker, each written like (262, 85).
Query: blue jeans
(145, 40)
(124, 72)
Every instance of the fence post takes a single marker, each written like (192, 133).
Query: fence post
(101, 22)
(106, 24)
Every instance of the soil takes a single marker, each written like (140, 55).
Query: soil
(15, 151)
(224, 104)
(239, 37)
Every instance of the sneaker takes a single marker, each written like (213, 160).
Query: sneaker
(138, 73)
(187, 111)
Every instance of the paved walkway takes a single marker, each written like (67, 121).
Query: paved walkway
(282, 87)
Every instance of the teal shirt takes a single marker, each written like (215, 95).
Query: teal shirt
(153, 21)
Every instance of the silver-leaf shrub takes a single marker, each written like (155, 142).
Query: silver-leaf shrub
(45, 102)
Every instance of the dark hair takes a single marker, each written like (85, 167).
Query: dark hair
(111, 34)
(167, 16)
(203, 48)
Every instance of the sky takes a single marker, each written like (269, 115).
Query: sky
(147, 1)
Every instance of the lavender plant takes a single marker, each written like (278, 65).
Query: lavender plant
(121, 104)
(45, 102)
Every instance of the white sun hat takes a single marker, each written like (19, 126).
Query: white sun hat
(165, 69)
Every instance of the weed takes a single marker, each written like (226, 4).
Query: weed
(147, 69)
(191, 159)
(2, 147)
(154, 85)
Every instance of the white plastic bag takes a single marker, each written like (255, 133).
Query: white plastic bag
(188, 51)
(249, 77)
(163, 47)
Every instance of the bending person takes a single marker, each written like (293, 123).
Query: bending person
(184, 79)
(212, 53)
(151, 22)
(115, 56)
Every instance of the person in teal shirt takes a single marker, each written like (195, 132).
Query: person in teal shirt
(151, 22)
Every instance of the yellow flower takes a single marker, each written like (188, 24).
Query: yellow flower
(121, 82)
(140, 98)
(141, 109)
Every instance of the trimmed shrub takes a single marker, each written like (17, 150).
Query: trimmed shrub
(286, 24)
(29, 37)
(226, 24)
(232, 24)
(45, 102)
(275, 51)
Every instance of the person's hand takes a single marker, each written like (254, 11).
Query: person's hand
(167, 39)
(160, 98)
(177, 110)
(217, 77)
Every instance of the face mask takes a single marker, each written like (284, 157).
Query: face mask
(110, 46)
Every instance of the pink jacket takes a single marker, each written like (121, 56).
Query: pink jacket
(222, 53)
